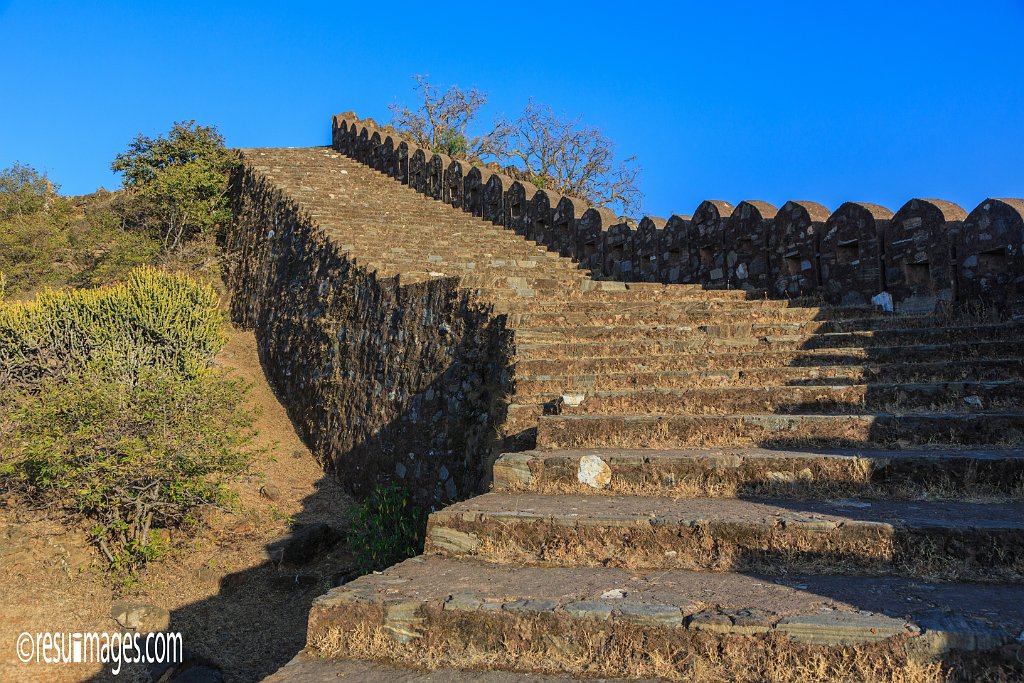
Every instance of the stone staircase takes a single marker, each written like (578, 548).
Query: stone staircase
(712, 485)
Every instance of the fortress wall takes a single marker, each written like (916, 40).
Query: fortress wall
(332, 336)
(930, 253)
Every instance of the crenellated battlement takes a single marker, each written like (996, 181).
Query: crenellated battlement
(929, 254)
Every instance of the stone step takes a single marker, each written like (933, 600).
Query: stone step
(768, 335)
(668, 624)
(980, 370)
(306, 667)
(780, 431)
(947, 540)
(862, 473)
(701, 343)
(484, 266)
(623, 312)
(966, 397)
(568, 364)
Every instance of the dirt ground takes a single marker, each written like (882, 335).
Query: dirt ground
(243, 614)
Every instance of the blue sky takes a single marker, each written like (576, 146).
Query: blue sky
(828, 101)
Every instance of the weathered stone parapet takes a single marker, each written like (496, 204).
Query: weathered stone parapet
(403, 153)
(590, 235)
(386, 382)
(436, 167)
(850, 248)
(920, 248)
(647, 249)
(991, 250)
(494, 198)
(706, 242)
(674, 259)
(563, 225)
(418, 170)
(454, 183)
(473, 193)
(747, 234)
(925, 256)
(539, 213)
(618, 250)
(517, 202)
(793, 248)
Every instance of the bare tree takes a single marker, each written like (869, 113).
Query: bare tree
(566, 155)
(553, 152)
(441, 120)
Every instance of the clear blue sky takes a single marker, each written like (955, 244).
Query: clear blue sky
(829, 101)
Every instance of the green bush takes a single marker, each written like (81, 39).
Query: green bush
(109, 408)
(130, 455)
(387, 527)
(153, 319)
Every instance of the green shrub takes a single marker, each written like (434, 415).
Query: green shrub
(153, 319)
(130, 452)
(387, 527)
(176, 184)
(24, 191)
(109, 408)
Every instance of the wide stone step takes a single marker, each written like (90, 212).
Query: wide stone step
(309, 668)
(980, 370)
(668, 624)
(938, 539)
(606, 339)
(780, 431)
(699, 360)
(863, 473)
(970, 397)
(639, 309)
(699, 342)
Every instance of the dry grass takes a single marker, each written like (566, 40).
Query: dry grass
(633, 652)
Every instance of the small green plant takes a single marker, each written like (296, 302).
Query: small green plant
(387, 527)
(452, 142)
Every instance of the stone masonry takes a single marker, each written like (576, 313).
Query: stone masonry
(675, 483)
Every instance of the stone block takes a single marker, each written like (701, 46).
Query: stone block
(589, 609)
(842, 628)
(650, 614)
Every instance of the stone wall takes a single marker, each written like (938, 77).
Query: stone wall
(387, 383)
(931, 252)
